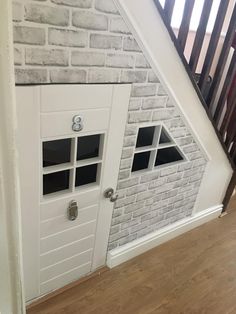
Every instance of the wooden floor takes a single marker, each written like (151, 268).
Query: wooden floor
(192, 274)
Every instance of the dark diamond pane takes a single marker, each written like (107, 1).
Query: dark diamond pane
(86, 175)
(56, 152)
(56, 181)
(141, 161)
(145, 136)
(167, 155)
(88, 146)
(164, 138)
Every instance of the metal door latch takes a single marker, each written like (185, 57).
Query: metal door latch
(110, 193)
(77, 124)
(72, 210)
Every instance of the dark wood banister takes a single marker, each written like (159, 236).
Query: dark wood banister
(223, 113)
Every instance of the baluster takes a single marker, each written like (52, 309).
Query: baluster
(222, 61)
(225, 90)
(201, 30)
(229, 115)
(213, 44)
(168, 9)
(184, 27)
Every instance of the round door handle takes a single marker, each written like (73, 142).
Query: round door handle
(110, 193)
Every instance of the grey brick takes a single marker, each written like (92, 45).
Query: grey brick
(124, 174)
(125, 164)
(141, 62)
(131, 130)
(168, 171)
(129, 141)
(45, 14)
(105, 41)
(184, 140)
(127, 153)
(195, 156)
(118, 235)
(121, 219)
(128, 239)
(174, 177)
(29, 76)
(144, 195)
(152, 78)
(103, 76)
(199, 162)
(114, 229)
(17, 11)
(118, 26)
(156, 219)
(67, 76)
(17, 56)
(175, 123)
(196, 177)
(169, 194)
(130, 223)
(177, 133)
(153, 103)
(141, 116)
(125, 202)
(145, 231)
(185, 166)
(112, 246)
(190, 148)
(84, 4)
(157, 183)
(128, 183)
(89, 20)
(140, 226)
(67, 38)
(106, 6)
(163, 114)
(143, 90)
(150, 176)
(180, 183)
(161, 90)
(133, 76)
(119, 60)
(87, 58)
(136, 189)
(134, 104)
(130, 44)
(36, 56)
(133, 207)
(117, 212)
(29, 35)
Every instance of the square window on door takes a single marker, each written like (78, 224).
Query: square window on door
(55, 182)
(86, 175)
(88, 146)
(167, 155)
(56, 152)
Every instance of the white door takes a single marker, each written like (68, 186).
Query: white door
(70, 142)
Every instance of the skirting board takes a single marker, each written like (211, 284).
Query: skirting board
(139, 246)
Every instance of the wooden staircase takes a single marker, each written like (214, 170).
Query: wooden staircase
(217, 93)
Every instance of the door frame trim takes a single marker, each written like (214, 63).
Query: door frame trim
(11, 274)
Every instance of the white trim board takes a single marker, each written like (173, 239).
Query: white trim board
(139, 246)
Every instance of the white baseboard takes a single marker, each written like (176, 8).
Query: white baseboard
(139, 246)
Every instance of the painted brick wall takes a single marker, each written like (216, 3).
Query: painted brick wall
(87, 41)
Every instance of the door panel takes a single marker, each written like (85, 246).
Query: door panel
(60, 124)
(76, 144)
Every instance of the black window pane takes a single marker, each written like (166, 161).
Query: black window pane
(88, 146)
(86, 175)
(56, 152)
(56, 181)
(164, 138)
(145, 136)
(141, 161)
(167, 155)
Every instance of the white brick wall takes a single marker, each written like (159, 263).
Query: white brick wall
(87, 41)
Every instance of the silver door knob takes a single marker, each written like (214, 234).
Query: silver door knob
(72, 211)
(110, 193)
